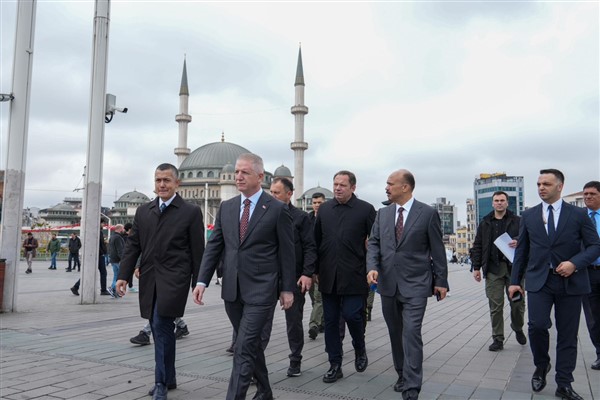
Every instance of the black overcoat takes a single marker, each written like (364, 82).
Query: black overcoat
(171, 245)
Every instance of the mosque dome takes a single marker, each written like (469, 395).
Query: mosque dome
(308, 194)
(228, 168)
(282, 171)
(213, 155)
(134, 197)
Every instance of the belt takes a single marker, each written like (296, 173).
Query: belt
(595, 267)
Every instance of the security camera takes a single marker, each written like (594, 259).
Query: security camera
(122, 110)
(111, 108)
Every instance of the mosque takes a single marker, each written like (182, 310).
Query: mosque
(207, 173)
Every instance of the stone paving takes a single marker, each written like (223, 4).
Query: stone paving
(56, 348)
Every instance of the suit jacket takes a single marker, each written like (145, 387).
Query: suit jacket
(304, 243)
(171, 244)
(409, 266)
(263, 264)
(575, 240)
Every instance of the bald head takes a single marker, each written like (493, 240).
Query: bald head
(400, 185)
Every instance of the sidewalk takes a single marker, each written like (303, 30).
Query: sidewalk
(55, 348)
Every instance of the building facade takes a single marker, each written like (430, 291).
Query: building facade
(486, 184)
(448, 215)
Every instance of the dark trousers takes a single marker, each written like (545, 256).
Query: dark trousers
(102, 269)
(352, 309)
(164, 347)
(567, 310)
(248, 322)
(295, 330)
(404, 319)
(75, 258)
(591, 309)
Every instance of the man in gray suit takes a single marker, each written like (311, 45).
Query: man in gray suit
(406, 258)
(254, 237)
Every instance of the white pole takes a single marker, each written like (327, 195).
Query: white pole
(92, 196)
(18, 126)
(206, 212)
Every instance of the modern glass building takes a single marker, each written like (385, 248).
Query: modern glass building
(485, 186)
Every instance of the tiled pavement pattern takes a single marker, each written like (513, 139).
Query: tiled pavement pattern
(55, 348)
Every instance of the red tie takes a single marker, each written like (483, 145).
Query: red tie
(245, 219)
(399, 225)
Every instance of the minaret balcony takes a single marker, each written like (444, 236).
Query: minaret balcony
(299, 109)
(183, 118)
(299, 145)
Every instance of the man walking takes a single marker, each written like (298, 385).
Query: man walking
(74, 246)
(557, 242)
(315, 324)
(168, 233)
(306, 256)
(30, 244)
(406, 258)
(53, 248)
(116, 245)
(253, 237)
(341, 230)
(591, 302)
(497, 268)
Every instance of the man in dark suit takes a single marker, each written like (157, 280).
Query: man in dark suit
(341, 231)
(557, 242)
(168, 233)
(406, 258)
(306, 256)
(254, 238)
(591, 302)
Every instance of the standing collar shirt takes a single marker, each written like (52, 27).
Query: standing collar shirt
(556, 207)
(597, 218)
(253, 200)
(406, 207)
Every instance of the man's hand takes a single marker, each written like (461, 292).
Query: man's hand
(372, 277)
(512, 289)
(566, 269)
(304, 283)
(286, 299)
(121, 287)
(477, 275)
(441, 291)
(137, 273)
(198, 293)
(512, 244)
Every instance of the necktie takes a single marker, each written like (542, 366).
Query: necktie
(245, 219)
(399, 225)
(162, 207)
(551, 227)
(593, 218)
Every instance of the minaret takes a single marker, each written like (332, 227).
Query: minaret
(183, 119)
(299, 110)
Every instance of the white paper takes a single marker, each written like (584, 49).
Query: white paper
(502, 244)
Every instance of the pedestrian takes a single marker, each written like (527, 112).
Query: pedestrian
(53, 248)
(341, 230)
(168, 234)
(253, 236)
(557, 242)
(116, 245)
(74, 246)
(406, 258)
(316, 324)
(30, 244)
(496, 268)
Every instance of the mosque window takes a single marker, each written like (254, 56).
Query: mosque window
(199, 174)
(190, 174)
(210, 174)
(229, 177)
(182, 175)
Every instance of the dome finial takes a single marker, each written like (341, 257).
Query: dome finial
(222, 136)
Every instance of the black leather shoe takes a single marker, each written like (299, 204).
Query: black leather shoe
(568, 393)
(334, 373)
(170, 386)
(263, 396)
(360, 360)
(159, 392)
(399, 385)
(521, 339)
(538, 380)
(410, 394)
(596, 364)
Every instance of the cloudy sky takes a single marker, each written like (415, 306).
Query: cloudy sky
(445, 89)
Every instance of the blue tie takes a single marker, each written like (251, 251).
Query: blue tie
(162, 207)
(551, 228)
(593, 218)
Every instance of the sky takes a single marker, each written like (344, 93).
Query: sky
(447, 90)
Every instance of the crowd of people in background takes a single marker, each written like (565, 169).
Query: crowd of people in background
(266, 250)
